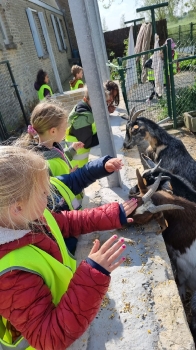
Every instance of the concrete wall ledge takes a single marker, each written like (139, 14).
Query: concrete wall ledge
(142, 309)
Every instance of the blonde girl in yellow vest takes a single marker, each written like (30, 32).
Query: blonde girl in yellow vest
(45, 302)
(47, 127)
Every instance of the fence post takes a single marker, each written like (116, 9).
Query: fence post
(122, 81)
(172, 86)
(191, 31)
(169, 108)
(179, 29)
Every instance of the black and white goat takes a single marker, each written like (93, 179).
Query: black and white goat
(172, 152)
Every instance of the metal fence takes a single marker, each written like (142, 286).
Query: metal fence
(138, 84)
(183, 33)
(9, 97)
(179, 77)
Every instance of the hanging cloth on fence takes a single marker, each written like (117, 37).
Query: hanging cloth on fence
(131, 81)
(158, 68)
(143, 44)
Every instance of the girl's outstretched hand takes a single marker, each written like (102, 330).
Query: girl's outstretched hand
(113, 164)
(107, 254)
(77, 145)
(73, 169)
(129, 206)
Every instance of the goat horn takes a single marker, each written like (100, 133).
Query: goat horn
(156, 166)
(150, 164)
(152, 190)
(164, 207)
(132, 113)
(134, 117)
(163, 178)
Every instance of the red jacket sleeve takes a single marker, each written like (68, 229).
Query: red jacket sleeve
(76, 222)
(27, 303)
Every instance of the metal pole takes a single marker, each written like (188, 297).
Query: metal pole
(99, 47)
(17, 92)
(82, 26)
(104, 51)
(152, 8)
(50, 51)
(172, 85)
(122, 81)
(167, 81)
(191, 31)
(179, 32)
(134, 21)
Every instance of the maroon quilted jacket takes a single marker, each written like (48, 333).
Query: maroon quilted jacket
(27, 302)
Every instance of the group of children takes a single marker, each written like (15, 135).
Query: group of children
(45, 301)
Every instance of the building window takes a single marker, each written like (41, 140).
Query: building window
(37, 33)
(59, 32)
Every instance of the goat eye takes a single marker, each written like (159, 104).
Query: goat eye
(145, 182)
(135, 127)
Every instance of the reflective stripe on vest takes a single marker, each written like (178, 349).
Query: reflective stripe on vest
(66, 193)
(79, 82)
(41, 91)
(56, 275)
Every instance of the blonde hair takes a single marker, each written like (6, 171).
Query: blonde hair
(23, 174)
(46, 115)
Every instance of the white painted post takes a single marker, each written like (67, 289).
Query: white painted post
(50, 52)
(90, 63)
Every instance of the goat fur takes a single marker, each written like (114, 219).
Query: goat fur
(169, 149)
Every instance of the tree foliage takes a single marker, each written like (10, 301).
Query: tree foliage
(122, 21)
(104, 25)
(168, 12)
(108, 3)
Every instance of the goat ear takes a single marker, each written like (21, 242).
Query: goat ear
(142, 187)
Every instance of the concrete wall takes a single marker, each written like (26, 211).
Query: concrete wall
(70, 98)
(22, 55)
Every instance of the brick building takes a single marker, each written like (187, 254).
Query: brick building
(22, 43)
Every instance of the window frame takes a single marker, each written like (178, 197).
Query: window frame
(35, 33)
(61, 43)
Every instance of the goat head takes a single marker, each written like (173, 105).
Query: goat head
(146, 210)
(132, 136)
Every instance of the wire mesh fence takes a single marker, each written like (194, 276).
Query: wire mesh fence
(8, 97)
(172, 93)
(138, 82)
(183, 33)
(185, 85)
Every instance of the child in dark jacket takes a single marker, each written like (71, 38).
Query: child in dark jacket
(45, 301)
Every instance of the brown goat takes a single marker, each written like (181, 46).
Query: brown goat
(179, 236)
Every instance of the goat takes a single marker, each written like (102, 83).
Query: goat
(172, 152)
(169, 182)
(180, 231)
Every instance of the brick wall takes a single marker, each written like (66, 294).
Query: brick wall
(70, 98)
(24, 60)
